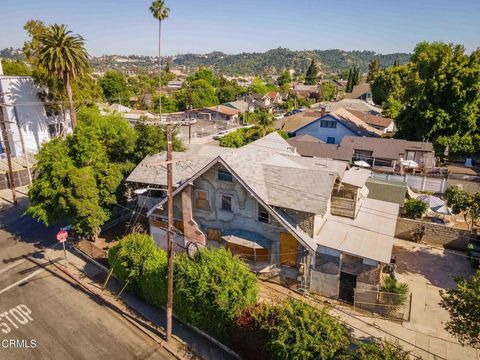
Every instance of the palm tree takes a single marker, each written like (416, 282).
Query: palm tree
(63, 56)
(159, 12)
(265, 121)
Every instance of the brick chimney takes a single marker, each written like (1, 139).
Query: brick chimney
(322, 111)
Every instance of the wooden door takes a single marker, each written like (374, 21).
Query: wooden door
(288, 250)
(348, 282)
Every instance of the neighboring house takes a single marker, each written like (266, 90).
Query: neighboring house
(384, 124)
(296, 121)
(378, 152)
(219, 113)
(260, 102)
(241, 106)
(352, 104)
(309, 88)
(333, 127)
(175, 84)
(275, 97)
(136, 115)
(25, 117)
(302, 220)
(360, 92)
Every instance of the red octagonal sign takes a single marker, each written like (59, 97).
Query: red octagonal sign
(62, 236)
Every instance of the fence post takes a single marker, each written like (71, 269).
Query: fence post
(410, 308)
(424, 180)
(442, 186)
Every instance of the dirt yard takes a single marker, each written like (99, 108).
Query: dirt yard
(427, 270)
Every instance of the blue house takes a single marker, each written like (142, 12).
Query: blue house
(332, 127)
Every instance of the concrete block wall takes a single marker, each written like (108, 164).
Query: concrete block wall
(436, 234)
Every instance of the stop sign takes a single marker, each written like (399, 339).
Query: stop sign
(62, 236)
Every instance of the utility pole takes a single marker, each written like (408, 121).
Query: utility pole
(6, 142)
(169, 233)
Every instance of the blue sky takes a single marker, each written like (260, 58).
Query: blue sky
(126, 27)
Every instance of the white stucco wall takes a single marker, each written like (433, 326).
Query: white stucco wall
(24, 111)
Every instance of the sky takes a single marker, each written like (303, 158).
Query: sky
(201, 26)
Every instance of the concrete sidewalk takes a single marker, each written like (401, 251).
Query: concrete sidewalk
(421, 345)
(187, 343)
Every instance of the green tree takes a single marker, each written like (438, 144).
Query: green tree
(206, 74)
(258, 86)
(311, 76)
(415, 209)
(328, 91)
(199, 93)
(463, 305)
(160, 12)
(356, 76)
(373, 69)
(284, 79)
(15, 68)
(80, 177)
(229, 92)
(63, 56)
(152, 139)
(388, 86)
(463, 202)
(349, 87)
(441, 97)
(265, 121)
(114, 86)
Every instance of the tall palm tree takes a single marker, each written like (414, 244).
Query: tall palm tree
(265, 122)
(160, 12)
(63, 56)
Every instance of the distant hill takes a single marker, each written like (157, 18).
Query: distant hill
(276, 60)
(266, 63)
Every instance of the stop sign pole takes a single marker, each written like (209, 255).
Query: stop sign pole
(62, 236)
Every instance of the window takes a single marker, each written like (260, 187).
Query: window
(328, 123)
(263, 215)
(410, 155)
(202, 200)
(226, 202)
(330, 140)
(225, 175)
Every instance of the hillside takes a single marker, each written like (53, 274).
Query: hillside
(276, 60)
(269, 62)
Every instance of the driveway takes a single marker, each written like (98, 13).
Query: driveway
(427, 270)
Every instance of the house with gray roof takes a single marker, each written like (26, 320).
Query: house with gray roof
(306, 220)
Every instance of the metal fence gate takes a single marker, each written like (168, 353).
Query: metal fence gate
(388, 305)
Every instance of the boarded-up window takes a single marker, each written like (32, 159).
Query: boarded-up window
(213, 234)
(202, 200)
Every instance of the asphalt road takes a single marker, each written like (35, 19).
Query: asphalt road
(43, 316)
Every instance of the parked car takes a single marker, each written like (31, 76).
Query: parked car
(289, 113)
(279, 116)
(295, 111)
(303, 108)
(220, 135)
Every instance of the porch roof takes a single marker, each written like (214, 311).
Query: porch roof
(246, 238)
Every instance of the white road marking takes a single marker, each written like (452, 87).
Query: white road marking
(12, 265)
(22, 280)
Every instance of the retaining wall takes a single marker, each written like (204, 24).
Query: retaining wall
(437, 234)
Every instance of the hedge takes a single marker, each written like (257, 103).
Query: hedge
(209, 291)
(291, 329)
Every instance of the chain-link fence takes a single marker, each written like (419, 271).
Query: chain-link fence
(389, 305)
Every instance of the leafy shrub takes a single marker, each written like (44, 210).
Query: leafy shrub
(397, 292)
(244, 136)
(376, 350)
(292, 330)
(414, 209)
(138, 259)
(211, 291)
